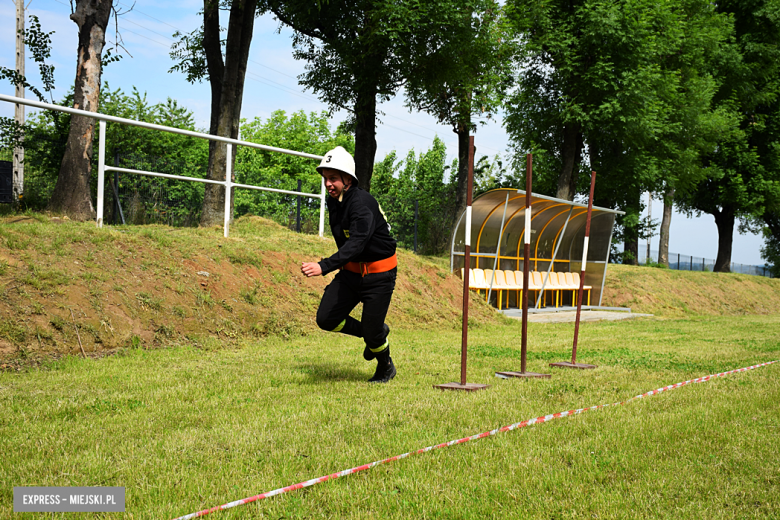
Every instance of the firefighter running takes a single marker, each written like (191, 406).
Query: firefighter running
(366, 259)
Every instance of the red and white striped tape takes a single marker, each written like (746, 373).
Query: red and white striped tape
(514, 426)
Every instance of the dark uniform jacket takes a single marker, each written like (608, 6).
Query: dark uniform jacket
(360, 229)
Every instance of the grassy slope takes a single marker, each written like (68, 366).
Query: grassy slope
(195, 426)
(666, 292)
(139, 286)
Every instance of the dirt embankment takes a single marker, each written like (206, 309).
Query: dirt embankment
(67, 286)
(666, 292)
(63, 283)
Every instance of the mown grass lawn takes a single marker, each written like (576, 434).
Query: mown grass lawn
(185, 429)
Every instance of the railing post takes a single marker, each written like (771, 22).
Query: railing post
(101, 170)
(322, 210)
(228, 184)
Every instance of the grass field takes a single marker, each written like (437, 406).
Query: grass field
(183, 429)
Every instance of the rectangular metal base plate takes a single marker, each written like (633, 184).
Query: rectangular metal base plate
(567, 364)
(522, 374)
(468, 387)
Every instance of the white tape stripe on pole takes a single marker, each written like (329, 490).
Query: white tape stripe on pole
(585, 252)
(468, 226)
(515, 426)
(528, 225)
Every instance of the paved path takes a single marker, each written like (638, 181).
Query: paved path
(570, 316)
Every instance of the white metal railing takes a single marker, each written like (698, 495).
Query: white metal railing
(227, 183)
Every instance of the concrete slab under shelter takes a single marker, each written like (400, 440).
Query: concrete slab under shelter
(569, 315)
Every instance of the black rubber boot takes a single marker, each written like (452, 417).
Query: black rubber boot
(385, 369)
(367, 354)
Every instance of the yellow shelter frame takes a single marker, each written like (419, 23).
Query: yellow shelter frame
(557, 235)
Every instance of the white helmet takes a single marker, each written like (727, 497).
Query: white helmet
(338, 159)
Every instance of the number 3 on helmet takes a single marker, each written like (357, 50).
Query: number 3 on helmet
(338, 159)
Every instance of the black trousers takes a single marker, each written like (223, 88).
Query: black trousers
(344, 293)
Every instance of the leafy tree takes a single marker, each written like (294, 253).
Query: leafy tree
(421, 178)
(297, 131)
(743, 172)
(71, 193)
(39, 42)
(771, 249)
(465, 80)
(47, 136)
(203, 54)
(360, 52)
(490, 174)
(606, 86)
(11, 132)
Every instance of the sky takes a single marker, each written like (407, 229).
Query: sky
(146, 32)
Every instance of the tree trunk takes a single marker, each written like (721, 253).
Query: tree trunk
(772, 221)
(462, 131)
(724, 219)
(71, 194)
(630, 222)
(229, 88)
(666, 221)
(365, 136)
(571, 155)
(214, 63)
(631, 246)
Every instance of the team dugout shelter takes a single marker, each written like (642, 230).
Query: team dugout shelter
(557, 237)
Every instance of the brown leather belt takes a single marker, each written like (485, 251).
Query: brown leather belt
(379, 266)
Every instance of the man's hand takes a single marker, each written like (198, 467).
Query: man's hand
(311, 269)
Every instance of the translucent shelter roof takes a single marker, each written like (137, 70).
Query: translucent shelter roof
(557, 236)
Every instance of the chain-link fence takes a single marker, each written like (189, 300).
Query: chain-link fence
(6, 182)
(138, 199)
(682, 262)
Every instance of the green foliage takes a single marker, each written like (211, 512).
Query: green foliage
(399, 183)
(465, 79)
(743, 172)
(166, 201)
(467, 76)
(47, 134)
(771, 249)
(189, 54)
(652, 263)
(39, 42)
(427, 179)
(11, 133)
(622, 88)
(490, 174)
(298, 131)
(360, 53)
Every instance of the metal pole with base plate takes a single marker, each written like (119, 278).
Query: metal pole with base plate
(574, 364)
(526, 264)
(463, 385)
